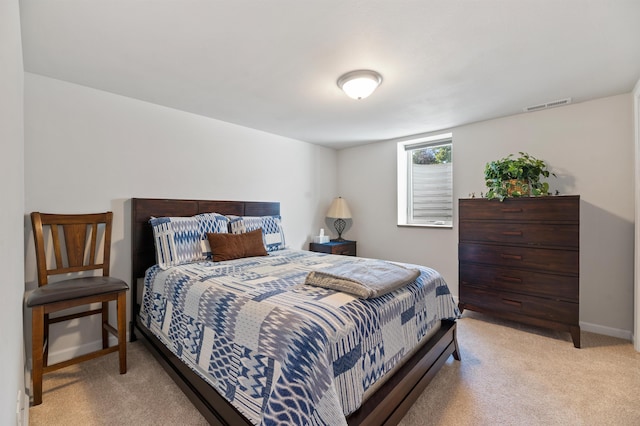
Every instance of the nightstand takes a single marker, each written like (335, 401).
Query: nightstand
(346, 247)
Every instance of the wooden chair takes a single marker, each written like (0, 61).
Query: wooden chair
(77, 242)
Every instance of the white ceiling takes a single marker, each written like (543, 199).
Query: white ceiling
(273, 65)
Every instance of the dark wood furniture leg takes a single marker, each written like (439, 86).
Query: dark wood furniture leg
(575, 336)
(37, 348)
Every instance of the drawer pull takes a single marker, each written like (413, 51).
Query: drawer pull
(510, 279)
(511, 210)
(512, 302)
(512, 233)
(511, 256)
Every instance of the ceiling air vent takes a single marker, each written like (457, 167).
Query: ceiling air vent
(551, 104)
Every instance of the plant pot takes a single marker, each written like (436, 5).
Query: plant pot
(517, 188)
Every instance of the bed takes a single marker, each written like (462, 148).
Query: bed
(387, 394)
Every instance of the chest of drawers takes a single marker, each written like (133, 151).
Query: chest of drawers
(519, 260)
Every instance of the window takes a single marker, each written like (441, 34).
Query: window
(425, 181)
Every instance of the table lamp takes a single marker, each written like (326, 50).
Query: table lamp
(339, 211)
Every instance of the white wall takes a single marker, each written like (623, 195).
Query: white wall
(636, 125)
(11, 212)
(88, 150)
(589, 145)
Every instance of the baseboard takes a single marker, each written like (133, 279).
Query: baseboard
(601, 329)
(68, 353)
(24, 421)
(23, 418)
(607, 331)
(59, 356)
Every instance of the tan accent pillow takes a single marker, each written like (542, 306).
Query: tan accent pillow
(236, 246)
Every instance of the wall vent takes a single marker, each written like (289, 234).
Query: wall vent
(551, 104)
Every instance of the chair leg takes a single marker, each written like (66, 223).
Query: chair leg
(45, 341)
(122, 330)
(37, 342)
(105, 321)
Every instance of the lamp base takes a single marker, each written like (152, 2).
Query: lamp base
(339, 224)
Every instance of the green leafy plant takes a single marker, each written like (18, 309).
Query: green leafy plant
(516, 177)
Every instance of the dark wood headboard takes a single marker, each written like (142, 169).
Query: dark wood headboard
(142, 209)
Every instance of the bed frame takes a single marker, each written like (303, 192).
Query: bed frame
(386, 406)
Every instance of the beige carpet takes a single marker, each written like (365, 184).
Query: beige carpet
(509, 375)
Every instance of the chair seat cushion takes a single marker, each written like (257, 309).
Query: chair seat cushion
(74, 289)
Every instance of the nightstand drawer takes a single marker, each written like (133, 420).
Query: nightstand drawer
(345, 248)
(552, 209)
(551, 235)
(546, 260)
(536, 307)
(560, 287)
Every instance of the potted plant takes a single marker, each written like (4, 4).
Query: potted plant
(516, 177)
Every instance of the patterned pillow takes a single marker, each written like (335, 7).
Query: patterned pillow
(272, 233)
(180, 240)
(211, 223)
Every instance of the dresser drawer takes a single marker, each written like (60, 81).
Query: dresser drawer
(531, 234)
(545, 260)
(531, 306)
(535, 283)
(552, 209)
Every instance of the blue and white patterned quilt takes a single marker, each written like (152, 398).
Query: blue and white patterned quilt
(280, 351)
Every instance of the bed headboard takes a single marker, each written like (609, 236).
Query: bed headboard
(142, 209)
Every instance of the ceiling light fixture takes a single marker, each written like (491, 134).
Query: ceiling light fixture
(360, 83)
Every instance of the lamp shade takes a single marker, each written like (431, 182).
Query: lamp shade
(339, 209)
(359, 84)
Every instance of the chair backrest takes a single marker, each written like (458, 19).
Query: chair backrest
(76, 240)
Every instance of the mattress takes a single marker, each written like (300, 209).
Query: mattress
(283, 352)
